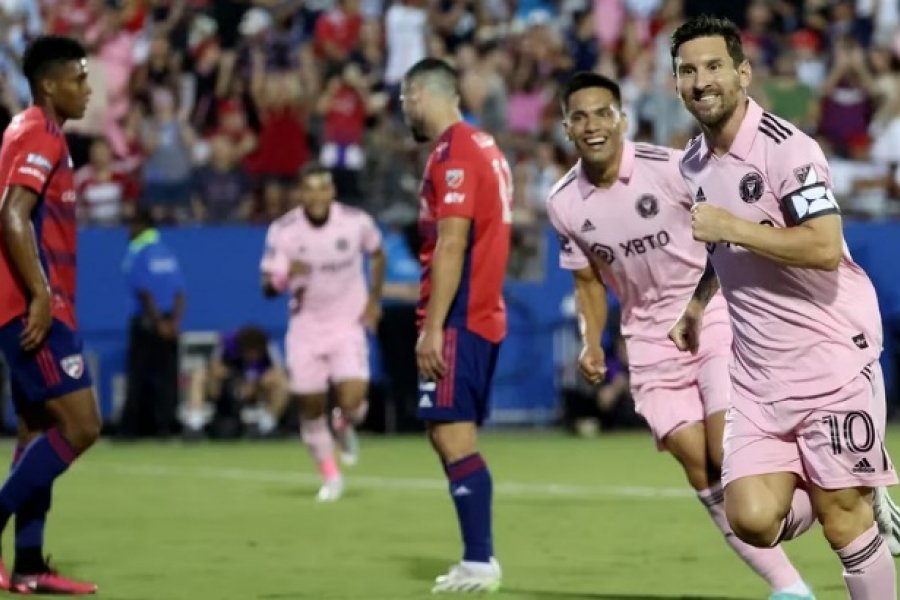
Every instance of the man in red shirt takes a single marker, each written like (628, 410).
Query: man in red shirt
(52, 390)
(465, 222)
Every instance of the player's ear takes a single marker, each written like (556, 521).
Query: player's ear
(745, 74)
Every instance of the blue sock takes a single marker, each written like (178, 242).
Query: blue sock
(45, 459)
(30, 521)
(472, 492)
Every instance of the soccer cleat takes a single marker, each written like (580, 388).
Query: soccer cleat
(331, 491)
(50, 582)
(469, 578)
(4, 576)
(345, 433)
(887, 515)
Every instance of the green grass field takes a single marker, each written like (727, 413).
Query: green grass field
(575, 519)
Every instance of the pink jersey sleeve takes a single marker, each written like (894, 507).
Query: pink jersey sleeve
(571, 256)
(371, 235)
(275, 261)
(801, 180)
(36, 153)
(455, 183)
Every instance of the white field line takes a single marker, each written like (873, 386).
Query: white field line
(501, 488)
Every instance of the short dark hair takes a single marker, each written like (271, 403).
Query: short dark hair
(47, 52)
(588, 79)
(312, 169)
(251, 337)
(437, 71)
(709, 26)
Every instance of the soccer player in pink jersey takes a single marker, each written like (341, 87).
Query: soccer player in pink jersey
(622, 218)
(316, 253)
(808, 405)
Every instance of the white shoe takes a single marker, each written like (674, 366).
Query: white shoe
(887, 515)
(469, 577)
(331, 491)
(345, 434)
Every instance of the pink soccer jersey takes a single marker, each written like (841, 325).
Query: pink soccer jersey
(334, 291)
(797, 332)
(636, 235)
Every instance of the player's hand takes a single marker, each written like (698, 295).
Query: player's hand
(686, 332)
(38, 323)
(299, 268)
(592, 363)
(710, 223)
(430, 355)
(372, 315)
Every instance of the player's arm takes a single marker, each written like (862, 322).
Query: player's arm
(685, 334)
(590, 294)
(446, 269)
(372, 313)
(814, 244)
(275, 266)
(706, 287)
(22, 246)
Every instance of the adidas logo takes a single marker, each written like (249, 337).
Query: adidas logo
(587, 226)
(425, 401)
(863, 466)
(462, 491)
(700, 197)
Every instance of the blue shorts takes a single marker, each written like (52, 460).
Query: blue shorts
(57, 368)
(464, 393)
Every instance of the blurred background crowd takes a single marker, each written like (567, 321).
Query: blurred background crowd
(203, 111)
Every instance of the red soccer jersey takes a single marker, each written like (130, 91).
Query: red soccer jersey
(467, 176)
(34, 155)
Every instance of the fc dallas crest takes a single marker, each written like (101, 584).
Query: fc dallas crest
(73, 366)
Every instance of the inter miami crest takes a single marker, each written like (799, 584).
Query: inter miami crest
(647, 206)
(751, 187)
(342, 244)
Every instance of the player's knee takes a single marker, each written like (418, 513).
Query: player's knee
(753, 522)
(453, 441)
(82, 434)
(844, 521)
(311, 406)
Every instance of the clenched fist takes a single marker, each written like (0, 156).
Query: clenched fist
(711, 223)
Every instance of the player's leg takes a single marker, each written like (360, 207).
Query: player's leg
(350, 412)
(845, 458)
(349, 368)
(453, 408)
(772, 564)
(309, 384)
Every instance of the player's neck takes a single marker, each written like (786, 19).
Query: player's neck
(603, 175)
(445, 121)
(721, 138)
(317, 222)
(47, 107)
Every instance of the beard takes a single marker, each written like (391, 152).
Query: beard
(418, 131)
(719, 115)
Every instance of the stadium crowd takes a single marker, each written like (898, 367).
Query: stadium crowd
(204, 110)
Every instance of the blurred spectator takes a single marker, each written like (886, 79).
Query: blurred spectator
(222, 190)
(244, 388)
(106, 192)
(337, 32)
(848, 96)
(158, 301)
(404, 31)
(785, 95)
(167, 143)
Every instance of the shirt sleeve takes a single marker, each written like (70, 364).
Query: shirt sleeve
(371, 235)
(801, 179)
(139, 274)
(36, 154)
(571, 256)
(275, 261)
(455, 183)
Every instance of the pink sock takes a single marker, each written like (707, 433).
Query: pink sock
(317, 438)
(869, 571)
(358, 414)
(799, 518)
(772, 564)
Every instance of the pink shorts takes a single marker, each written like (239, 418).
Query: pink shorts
(314, 361)
(677, 393)
(834, 441)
